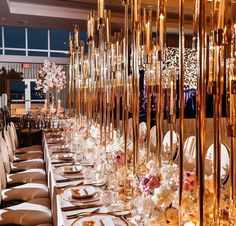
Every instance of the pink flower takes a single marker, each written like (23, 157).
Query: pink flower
(149, 183)
(189, 181)
(119, 158)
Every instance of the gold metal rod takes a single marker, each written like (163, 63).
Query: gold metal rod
(148, 87)
(181, 97)
(217, 137)
(201, 103)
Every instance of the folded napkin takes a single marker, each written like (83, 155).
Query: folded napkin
(55, 136)
(83, 192)
(72, 169)
(65, 157)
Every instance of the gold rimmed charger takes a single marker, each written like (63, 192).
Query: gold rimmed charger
(63, 156)
(69, 171)
(100, 219)
(86, 194)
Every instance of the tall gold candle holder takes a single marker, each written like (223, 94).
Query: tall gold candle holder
(136, 33)
(181, 110)
(71, 65)
(171, 77)
(160, 56)
(148, 61)
(200, 10)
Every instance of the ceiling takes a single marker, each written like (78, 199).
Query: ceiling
(63, 14)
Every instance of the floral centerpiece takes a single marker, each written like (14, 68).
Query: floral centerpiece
(155, 193)
(51, 78)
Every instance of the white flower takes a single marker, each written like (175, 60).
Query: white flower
(162, 197)
(51, 76)
(153, 168)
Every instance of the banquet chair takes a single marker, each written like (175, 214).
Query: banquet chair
(24, 192)
(130, 127)
(142, 132)
(153, 139)
(225, 162)
(19, 157)
(15, 142)
(29, 175)
(190, 153)
(19, 165)
(166, 144)
(33, 212)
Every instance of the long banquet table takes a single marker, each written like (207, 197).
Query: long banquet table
(58, 183)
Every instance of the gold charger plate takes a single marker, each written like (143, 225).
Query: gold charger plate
(63, 156)
(64, 171)
(89, 193)
(118, 221)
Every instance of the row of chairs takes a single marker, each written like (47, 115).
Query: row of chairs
(24, 191)
(189, 148)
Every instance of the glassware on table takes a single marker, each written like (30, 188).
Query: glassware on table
(89, 174)
(79, 156)
(106, 198)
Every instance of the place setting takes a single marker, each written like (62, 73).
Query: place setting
(80, 197)
(69, 173)
(87, 203)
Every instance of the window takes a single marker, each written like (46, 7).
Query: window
(58, 54)
(14, 37)
(17, 90)
(37, 38)
(34, 53)
(83, 37)
(36, 95)
(15, 52)
(59, 40)
(37, 42)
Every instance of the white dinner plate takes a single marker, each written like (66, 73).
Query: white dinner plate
(63, 156)
(84, 194)
(69, 171)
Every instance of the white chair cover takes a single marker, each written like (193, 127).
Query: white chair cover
(225, 161)
(190, 153)
(4, 100)
(34, 212)
(166, 143)
(142, 132)
(153, 139)
(130, 127)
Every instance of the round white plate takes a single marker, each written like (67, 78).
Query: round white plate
(88, 194)
(69, 171)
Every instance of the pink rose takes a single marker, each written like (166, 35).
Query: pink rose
(149, 183)
(119, 158)
(189, 181)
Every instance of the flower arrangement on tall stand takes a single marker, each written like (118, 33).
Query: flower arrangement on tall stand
(51, 79)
